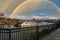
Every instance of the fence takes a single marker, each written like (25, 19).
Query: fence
(29, 33)
(19, 33)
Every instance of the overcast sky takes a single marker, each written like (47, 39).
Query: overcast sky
(57, 2)
(39, 8)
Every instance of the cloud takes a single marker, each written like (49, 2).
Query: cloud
(20, 17)
(57, 2)
(39, 8)
(9, 5)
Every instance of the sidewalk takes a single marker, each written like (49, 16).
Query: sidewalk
(54, 35)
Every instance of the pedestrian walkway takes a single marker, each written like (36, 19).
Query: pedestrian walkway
(54, 35)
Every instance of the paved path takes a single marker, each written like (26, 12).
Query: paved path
(55, 35)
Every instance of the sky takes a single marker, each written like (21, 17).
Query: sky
(57, 2)
(37, 8)
(9, 5)
(30, 8)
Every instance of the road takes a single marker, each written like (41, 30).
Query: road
(54, 35)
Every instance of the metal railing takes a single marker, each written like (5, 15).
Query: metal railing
(30, 33)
